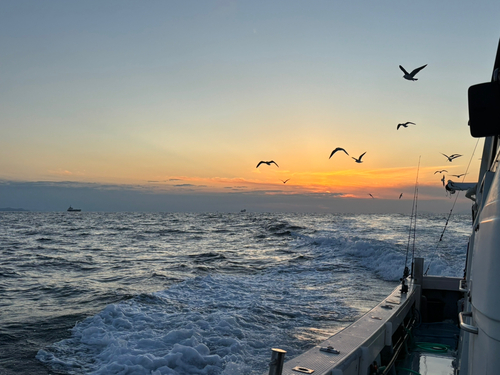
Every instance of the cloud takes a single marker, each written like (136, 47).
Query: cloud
(64, 172)
(385, 182)
(57, 196)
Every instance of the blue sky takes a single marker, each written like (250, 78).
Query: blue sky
(193, 94)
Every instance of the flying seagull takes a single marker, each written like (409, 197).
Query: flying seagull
(451, 157)
(358, 160)
(285, 181)
(405, 125)
(410, 76)
(441, 171)
(371, 195)
(443, 180)
(400, 195)
(267, 162)
(459, 175)
(337, 149)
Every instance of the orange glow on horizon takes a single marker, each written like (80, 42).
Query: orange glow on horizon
(385, 183)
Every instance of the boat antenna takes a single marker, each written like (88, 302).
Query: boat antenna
(451, 211)
(413, 227)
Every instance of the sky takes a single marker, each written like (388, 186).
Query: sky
(170, 105)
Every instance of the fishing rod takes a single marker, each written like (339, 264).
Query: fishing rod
(413, 227)
(415, 222)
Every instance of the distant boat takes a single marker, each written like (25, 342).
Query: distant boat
(71, 209)
(243, 210)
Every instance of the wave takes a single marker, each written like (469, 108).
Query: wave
(383, 251)
(210, 325)
(244, 284)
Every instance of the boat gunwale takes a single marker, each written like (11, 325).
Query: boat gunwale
(364, 338)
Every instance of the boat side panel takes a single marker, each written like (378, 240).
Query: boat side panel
(484, 354)
(486, 261)
(484, 346)
(441, 283)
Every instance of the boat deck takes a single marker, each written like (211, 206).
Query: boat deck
(433, 350)
(427, 364)
(407, 333)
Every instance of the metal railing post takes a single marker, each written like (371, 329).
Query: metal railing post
(277, 360)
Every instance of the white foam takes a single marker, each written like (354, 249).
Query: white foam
(210, 325)
(385, 249)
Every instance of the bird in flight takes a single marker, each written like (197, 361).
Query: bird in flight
(337, 149)
(358, 160)
(285, 181)
(441, 171)
(371, 195)
(405, 125)
(459, 175)
(400, 195)
(267, 162)
(442, 180)
(411, 76)
(451, 157)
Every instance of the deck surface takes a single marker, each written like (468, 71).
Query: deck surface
(431, 361)
(427, 364)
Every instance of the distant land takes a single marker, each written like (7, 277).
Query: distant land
(12, 209)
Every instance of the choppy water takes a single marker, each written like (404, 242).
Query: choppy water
(135, 293)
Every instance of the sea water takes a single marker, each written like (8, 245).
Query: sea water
(161, 293)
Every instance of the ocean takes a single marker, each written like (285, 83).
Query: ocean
(209, 294)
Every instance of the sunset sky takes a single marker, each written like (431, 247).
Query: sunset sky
(170, 105)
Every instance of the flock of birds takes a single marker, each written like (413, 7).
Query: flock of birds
(410, 77)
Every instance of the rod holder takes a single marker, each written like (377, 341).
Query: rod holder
(277, 360)
(418, 271)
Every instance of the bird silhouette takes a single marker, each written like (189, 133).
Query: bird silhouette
(459, 175)
(358, 160)
(371, 195)
(285, 181)
(442, 180)
(405, 125)
(337, 149)
(411, 76)
(267, 162)
(400, 195)
(451, 157)
(441, 171)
